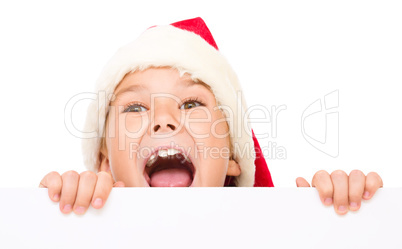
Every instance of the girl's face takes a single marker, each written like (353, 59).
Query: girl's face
(164, 130)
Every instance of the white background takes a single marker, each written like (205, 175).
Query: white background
(285, 53)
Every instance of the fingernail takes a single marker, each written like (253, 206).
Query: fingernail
(79, 210)
(328, 201)
(67, 208)
(353, 204)
(98, 202)
(341, 209)
(56, 197)
(366, 194)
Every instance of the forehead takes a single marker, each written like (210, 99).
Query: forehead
(158, 80)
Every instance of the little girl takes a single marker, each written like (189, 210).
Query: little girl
(169, 113)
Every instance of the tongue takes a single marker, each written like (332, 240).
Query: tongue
(171, 178)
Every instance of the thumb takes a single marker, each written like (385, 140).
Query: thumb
(301, 182)
(118, 184)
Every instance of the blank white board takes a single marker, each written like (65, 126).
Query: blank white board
(201, 218)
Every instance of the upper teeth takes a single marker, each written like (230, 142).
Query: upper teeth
(164, 153)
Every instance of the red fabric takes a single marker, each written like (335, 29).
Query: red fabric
(262, 174)
(198, 26)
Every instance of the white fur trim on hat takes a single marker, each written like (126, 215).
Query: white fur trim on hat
(185, 51)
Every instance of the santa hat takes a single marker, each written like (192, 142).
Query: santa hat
(189, 47)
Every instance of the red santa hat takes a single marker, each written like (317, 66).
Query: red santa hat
(189, 47)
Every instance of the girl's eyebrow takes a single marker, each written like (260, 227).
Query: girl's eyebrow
(141, 88)
(198, 82)
(132, 88)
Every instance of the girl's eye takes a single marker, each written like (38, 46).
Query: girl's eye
(190, 104)
(135, 108)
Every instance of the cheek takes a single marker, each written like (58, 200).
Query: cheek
(123, 135)
(132, 127)
(203, 123)
(198, 122)
(211, 135)
(125, 129)
(213, 170)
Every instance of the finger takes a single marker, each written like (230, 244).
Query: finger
(341, 191)
(373, 182)
(302, 183)
(85, 192)
(102, 189)
(357, 182)
(68, 191)
(119, 184)
(53, 182)
(322, 182)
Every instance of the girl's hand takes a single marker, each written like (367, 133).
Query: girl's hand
(345, 192)
(77, 191)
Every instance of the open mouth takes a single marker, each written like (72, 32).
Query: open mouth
(169, 168)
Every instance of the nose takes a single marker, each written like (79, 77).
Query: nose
(166, 116)
(158, 127)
